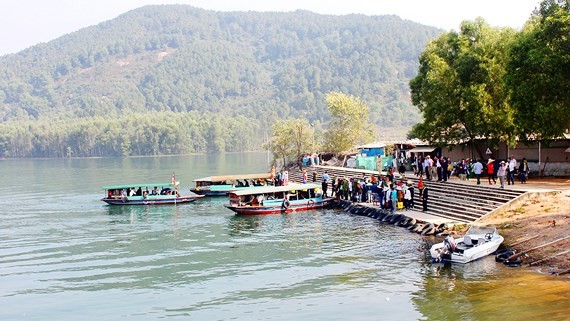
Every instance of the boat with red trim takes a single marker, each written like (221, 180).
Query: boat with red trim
(146, 194)
(278, 199)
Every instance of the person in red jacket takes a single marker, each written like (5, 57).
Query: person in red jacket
(491, 171)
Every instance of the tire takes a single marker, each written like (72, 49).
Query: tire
(387, 218)
(503, 255)
(428, 231)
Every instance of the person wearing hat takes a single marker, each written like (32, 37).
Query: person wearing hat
(491, 171)
(502, 173)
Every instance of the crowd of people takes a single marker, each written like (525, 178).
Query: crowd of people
(441, 169)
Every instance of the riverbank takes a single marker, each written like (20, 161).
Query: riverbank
(539, 219)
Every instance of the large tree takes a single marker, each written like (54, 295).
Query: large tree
(460, 89)
(350, 124)
(290, 139)
(539, 72)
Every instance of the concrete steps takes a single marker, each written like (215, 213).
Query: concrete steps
(460, 201)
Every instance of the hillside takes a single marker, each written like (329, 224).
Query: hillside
(210, 68)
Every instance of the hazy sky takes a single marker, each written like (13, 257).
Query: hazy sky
(24, 23)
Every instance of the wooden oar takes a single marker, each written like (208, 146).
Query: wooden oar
(548, 258)
(514, 256)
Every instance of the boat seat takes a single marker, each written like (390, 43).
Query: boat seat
(467, 240)
(481, 241)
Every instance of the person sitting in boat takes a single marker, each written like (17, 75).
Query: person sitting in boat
(132, 192)
(139, 191)
(154, 191)
(145, 194)
(124, 195)
(260, 199)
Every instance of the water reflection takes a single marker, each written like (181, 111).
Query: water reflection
(486, 290)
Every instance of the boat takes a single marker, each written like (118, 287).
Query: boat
(277, 199)
(479, 241)
(146, 194)
(221, 185)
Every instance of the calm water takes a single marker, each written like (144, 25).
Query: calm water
(64, 255)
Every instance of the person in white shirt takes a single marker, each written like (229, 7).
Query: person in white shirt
(512, 168)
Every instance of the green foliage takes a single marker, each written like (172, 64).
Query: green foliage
(152, 133)
(290, 139)
(349, 125)
(539, 72)
(176, 58)
(459, 87)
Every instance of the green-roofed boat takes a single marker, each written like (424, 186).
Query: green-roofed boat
(278, 199)
(146, 194)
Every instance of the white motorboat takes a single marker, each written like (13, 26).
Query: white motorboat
(479, 241)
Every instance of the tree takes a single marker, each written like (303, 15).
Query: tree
(539, 72)
(349, 125)
(290, 139)
(460, 89)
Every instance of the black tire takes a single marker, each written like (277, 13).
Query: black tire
(396, 218)
(412, 227)
(353, 210)
(381, 215)
(387, 218)
(504, 254)
(428, 231)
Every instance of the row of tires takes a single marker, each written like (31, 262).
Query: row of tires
(386, 216)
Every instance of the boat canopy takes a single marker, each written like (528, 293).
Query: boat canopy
(274, 189)
(162, 185)
(233, 177)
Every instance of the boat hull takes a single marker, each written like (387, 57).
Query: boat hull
(209, 192)
(279, 208)
(465, 254)
(155, 201)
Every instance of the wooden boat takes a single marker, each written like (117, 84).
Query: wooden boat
(478, 242)
(221, 185)
(277, 199)
(146, 194)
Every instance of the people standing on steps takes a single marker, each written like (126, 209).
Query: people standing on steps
(424, 198)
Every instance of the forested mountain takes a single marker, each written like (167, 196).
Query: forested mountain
(96, 91)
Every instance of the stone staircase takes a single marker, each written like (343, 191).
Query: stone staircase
(454, 200)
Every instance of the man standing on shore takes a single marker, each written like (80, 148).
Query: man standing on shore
(424, 198)
(512, 168)
(502, 172)
(478, 170)
(325, 183)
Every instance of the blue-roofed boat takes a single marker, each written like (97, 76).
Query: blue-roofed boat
(222, 185)
(146, 194)
(277, 199)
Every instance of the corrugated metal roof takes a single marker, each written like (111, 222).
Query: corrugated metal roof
(232, 177)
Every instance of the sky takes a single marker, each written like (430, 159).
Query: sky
(24, 23)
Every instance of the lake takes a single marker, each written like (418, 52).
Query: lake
(65, 255)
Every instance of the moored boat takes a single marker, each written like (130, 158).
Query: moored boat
(146, 194)
(479, 241)
(277, 199)
(221, 185)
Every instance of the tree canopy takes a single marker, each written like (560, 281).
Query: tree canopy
(349, 125)
(459, 87)
(539, 72)
(496, 84)
(290, 139)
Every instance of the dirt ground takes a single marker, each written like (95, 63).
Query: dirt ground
(547, 215)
